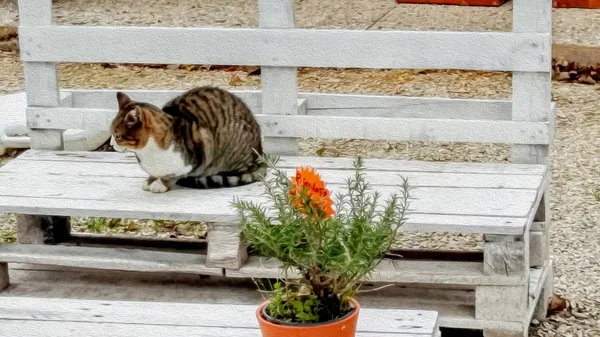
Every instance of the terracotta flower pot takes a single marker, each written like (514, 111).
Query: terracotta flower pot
(341, 327)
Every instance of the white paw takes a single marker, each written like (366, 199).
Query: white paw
(146, 186)
(158, 187)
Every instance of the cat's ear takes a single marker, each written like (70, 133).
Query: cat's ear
(134, 117)
(123, 100)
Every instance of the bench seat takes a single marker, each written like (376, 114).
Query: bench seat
(41, 317)
(446, 197)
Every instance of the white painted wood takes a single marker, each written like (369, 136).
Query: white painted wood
(431, 209)
(330, 104)
(76, 329)
(391, 321)
(455, 306)
(184, 314)
(405, 272)
(4, 278)
(527, 52)
(41, 79)
(501, 256)
(192, 203)
(108, 258)
(331, 176)
(501, 303)
(542, 291)
(539, 248)
(320, 163)
(279, 84)
(226, 248)
(531, 92)
(374, 128)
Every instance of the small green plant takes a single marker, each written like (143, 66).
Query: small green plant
(8, 237)
(597, 194)
(333, 251)
(97, 225)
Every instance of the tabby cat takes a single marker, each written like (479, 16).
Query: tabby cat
(205, 138)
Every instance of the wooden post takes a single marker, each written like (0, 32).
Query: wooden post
(41, 87)
(226, 248)
(532, 101)
(531, 92)
(279, 84)
(41, 79)
(508, 256)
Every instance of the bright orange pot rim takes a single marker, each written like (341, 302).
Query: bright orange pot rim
(345, 327)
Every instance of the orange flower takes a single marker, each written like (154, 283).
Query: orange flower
(319, 201)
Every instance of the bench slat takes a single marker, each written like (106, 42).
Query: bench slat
(332, 127)
(132, 318)
(194, 203)
(109, 258)
(454, 197)
(331, 176)
(318, 162)
(496, 51)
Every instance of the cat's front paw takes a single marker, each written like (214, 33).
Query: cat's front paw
(158, 187)
(147, 183)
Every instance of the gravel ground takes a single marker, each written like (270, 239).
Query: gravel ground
(574, 202)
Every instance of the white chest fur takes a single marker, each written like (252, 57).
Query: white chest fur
(158, 162)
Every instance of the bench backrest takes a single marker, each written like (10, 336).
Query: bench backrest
(526, 121)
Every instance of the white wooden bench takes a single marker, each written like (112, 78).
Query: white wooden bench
(50, 317)
(505, 286)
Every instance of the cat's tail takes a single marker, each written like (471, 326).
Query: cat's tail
(224, 179)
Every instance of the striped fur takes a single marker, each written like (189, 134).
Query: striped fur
(204, 138)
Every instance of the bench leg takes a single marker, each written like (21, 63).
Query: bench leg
(4, 281)
(539, 249)
(504, 256)
(226, 248)
(541, 308)
(41, 229)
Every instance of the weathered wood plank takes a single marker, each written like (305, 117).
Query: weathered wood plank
(294, 47)
(423, 200)
(375, 128)
(226, 248)
(404, 272)
(320, 163)
(331, 176)
(41, 78)
(506, 257)
(531, 92)
(279, 84)
(108, 258)
(77, 329)
(329, 104)
(418, 222)
(501, 303)
(168, 314)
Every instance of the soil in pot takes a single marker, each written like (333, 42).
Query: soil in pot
(342, 327)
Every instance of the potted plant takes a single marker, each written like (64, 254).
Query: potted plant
(328, 249)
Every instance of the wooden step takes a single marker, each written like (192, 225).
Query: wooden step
(43, 317)
(397, 271)
(122, 259)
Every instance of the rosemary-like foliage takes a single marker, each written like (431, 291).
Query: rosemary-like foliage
(333, 254)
